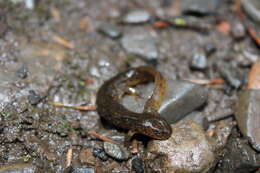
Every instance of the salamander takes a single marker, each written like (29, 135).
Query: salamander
(149, 122)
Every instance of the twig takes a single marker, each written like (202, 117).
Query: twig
(90, 107)
(254, 35)
(207, 81)
(69, 157)
(101, 137)
(63, 42)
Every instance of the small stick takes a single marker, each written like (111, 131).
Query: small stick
(207, 81)
(63, 42)
(69, 157)
(101, 137)
(81, 108)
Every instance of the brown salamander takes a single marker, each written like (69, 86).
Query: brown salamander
(149, 122)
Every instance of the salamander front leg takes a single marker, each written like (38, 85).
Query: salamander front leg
(128, 138)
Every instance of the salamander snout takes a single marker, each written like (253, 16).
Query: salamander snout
(157, 128)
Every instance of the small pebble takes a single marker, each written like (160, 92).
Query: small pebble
(22, 72)
(141, 43)
(136, 17)
(209, 49)
(116, 151)
(110, 30)
(231, 75)
(33, 97)
(100, 153)
(238, 30)
(138, 165)
(199, 61)
(83, 169)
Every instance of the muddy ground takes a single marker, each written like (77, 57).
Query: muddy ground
(58, 52)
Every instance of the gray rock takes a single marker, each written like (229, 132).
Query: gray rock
(252, 8)
(116, 151)
(110, 30)
(187, 150)
(22, 72)
(33, 97)
(83, 169)
(231, 75)
(100, 153)
(140, 42)
(247, 116)
(210, 48)
(238, 30)
(199, 61)
(18, 167)
(202, 7)
(136, 17)
(182, 98)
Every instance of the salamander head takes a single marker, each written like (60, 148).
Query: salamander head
(156, 127)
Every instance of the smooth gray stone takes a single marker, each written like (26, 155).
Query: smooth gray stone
(248, 116)
(202, 7)
(252, 8)
(182, 98)
(136, 17)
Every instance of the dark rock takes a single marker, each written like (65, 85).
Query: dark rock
(200, 7)
(252, 8)
(136, 17)
(138, 165)
(238, 30)
(140, 42)
(182, 98)
(83, 169)
(110, 30)
(116, 151)
(100, 153)
(34, 98)
(209, 49)
(230, 75)
(239, 156)
(187, 150)
(199, 61)
(247, 116)
(22, 72)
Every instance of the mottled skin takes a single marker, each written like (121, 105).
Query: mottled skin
(148, 123)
